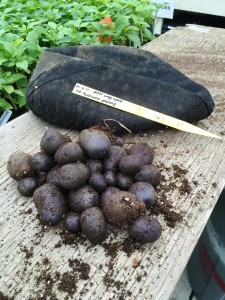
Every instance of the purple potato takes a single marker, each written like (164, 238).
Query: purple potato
(53, 176)
(98, 182)
(50, 204)
(72, 222)
(83, 198)
(124, 181)
(95, 143)
(27, 186)
(145, 229)
(150, 174)
(144, 191)
(52, 140)
(42, 162)
(94, 225)
(129, 164)
(69, 153)
(72, 176)
(144, 152)
(110, 178)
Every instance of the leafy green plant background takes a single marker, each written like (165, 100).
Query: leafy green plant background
(29, 26)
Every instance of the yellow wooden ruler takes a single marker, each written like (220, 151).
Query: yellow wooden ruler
(138, 110)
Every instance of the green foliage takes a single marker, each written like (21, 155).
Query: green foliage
(29, 26)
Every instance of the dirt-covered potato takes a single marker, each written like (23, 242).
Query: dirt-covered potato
(145, 229)
(93, 225)
(110, 163)
(69, 153)
(98, 182)
(130, 164)
(124, 181)
(50, 204)
(83, 198)
(144, 191)
(42, 162)
(95, 143)
(107, 192)
(26, 186)
(72, 222)
(150, 174)
(94, 165)
(123, 207)
(52, 140)
(19, 165)
(144, 152)
(72, 176)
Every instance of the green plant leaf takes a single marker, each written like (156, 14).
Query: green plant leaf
(14, 78)
(21, 101)
(22, 65)
(32, 37)
(120, 24)
(133, 36)
(147, 33)
(19, 92)
(8, 46)
(8, 88)
(4, 104)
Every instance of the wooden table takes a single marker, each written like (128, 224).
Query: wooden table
(34, 261)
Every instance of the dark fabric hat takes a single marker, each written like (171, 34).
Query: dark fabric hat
(132, 74)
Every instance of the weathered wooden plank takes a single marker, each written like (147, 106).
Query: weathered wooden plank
(33, 259)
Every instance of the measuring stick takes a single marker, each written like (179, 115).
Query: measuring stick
(138, 110)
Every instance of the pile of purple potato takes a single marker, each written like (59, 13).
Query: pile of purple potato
(88, 183)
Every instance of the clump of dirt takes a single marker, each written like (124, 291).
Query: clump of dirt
(50, 281)
(67, 283)
(4, 297)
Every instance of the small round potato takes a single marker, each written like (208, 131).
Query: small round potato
(130, 164)
(150, 174)
(52, 140)
(19, 165)
(144, 152)
(27, 186)
(98, 182)
(72, 176)
(145, 229)
(95, 143)
(42, 162)
(83, 198)
(72, 222)
(144, 191)
(68, 153)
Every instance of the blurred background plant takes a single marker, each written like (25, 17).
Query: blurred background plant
(28, 27)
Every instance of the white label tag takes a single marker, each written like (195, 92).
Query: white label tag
(167, 10)
(132, 108)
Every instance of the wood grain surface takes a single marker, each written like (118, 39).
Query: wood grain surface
(35, 261)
